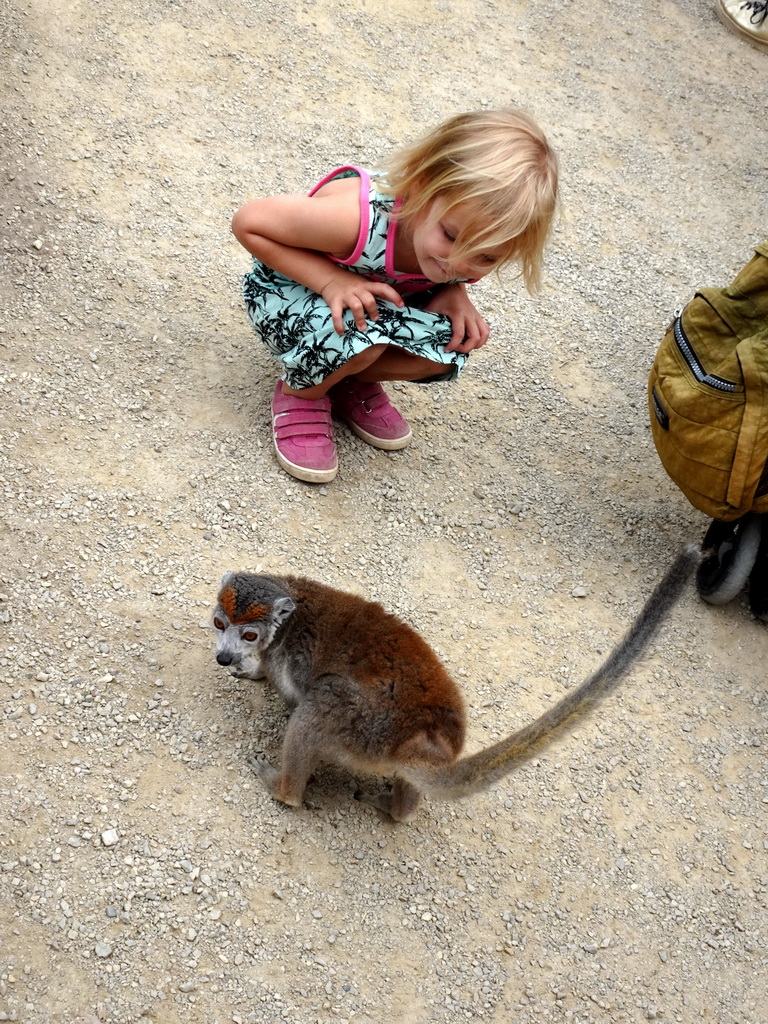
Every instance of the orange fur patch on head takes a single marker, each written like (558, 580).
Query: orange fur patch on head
(228, 601)
(251, 614)
(237, 616)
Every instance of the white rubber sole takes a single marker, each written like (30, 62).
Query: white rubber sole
(385, 444)
(309, 476)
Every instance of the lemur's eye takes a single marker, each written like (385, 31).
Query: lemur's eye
(218, 624)
(250, 636)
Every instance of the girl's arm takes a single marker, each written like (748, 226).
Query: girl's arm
(291, 235)
(470, 330)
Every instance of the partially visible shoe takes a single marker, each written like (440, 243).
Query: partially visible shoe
(303, 434)
(370, 414)
(747, 17)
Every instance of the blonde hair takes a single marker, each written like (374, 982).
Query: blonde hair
(499, 163)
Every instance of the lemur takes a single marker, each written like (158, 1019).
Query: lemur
(369, 693)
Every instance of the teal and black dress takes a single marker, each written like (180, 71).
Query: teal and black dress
(295, 322)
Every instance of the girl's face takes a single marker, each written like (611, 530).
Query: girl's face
(434, 235)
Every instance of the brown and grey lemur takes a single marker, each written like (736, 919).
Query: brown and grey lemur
(369, 693)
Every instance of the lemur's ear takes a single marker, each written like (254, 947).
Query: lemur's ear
(282, 608)
(226, 578)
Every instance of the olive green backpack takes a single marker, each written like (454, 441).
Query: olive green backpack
(708, 395)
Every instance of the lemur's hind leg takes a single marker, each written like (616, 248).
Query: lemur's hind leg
(401, 803)
(302, 749)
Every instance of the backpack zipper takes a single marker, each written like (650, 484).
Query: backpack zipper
(686, 350)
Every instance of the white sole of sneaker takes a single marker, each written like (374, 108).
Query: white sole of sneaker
(383, 443)
(309, 476)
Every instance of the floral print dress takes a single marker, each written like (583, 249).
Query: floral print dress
(295, 322)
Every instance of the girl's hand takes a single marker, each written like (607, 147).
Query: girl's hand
(470, 330)
(347, 290)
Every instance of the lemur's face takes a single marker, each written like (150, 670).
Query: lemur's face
(247, 615)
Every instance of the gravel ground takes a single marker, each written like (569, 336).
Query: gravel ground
(143, 872)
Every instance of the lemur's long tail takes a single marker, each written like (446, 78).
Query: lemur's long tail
(480, 770)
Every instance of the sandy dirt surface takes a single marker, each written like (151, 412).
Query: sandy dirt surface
(622, 875)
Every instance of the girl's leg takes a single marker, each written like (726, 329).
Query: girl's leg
(357, 396)
(397, 364)
(379, 362)
(404, 343)
(357, 364)
(301, 419)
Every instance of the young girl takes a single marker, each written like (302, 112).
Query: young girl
(331, 272)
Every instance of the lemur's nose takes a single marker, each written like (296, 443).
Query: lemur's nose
(223, 658)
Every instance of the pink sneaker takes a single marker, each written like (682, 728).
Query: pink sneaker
(368, 411)
(303, 436)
